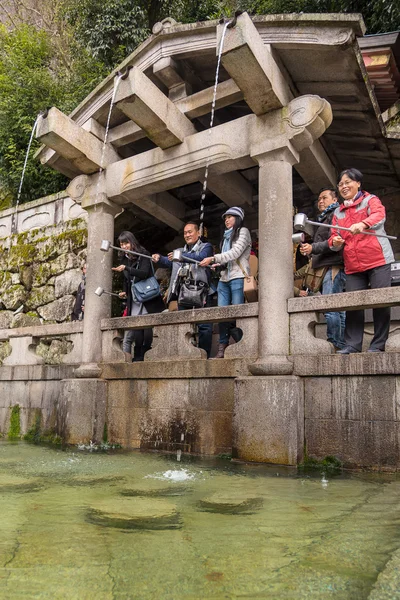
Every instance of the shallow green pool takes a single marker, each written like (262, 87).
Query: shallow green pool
(131, 526)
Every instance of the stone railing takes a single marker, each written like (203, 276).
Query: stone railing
(42, 344)
(304, 316)
(175, 331)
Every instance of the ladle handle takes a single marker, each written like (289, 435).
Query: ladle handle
(131, 252)
(389, 237)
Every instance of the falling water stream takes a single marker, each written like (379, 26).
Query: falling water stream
(116, 84)
(24, 169)
(204, 190)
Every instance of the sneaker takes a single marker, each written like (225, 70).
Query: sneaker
(374, 350)
(347, 350)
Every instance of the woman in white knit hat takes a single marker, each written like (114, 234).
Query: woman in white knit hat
(234, 259)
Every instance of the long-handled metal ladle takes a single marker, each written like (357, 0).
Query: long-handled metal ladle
(106, 245)
(100, 291)
(300, 221)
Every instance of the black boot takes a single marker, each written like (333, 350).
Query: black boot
(236, 333)
(144, 350)
(137, 353)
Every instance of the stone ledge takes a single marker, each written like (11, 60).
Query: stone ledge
(42, 330)
(363, 363)
(191, 369)
(200, 315)
(36, 372)
(362, 299)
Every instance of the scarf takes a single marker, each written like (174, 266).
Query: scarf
(327, 210)
(348, 203)
(226, 245)
(193, 248)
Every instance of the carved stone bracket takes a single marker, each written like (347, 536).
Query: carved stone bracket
(174, 343)
(302, 335)
(248, 345)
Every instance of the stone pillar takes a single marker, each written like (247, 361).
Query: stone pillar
(275, 261)
(101, 213)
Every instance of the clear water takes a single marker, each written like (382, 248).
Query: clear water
(237, 531)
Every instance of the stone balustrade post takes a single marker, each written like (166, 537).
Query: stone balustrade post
(275, 260)
(101, 213)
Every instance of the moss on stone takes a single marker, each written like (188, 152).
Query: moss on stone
(21, 254)
(14, 433)
(35, 435)
(5, 350)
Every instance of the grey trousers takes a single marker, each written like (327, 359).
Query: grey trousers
(354, 330)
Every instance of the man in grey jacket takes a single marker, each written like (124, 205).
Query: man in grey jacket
(322, 256)
(195, 249)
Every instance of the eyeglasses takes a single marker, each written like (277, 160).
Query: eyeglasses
(344, 183)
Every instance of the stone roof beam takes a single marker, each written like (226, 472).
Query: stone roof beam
(252, 66)
(193, 106)
(167, 71)
(315, 167)
(141, 100)
(164, 207)
(72, 142)
(232, 188)
(232, 147)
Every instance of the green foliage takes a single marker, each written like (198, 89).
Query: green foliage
(329, 464)
(31, 79)
(14, 433)
(109, 29)
(57, 56)
(35, 435)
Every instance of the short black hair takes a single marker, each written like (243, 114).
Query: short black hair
(328, 189)
(353, 174)
(192, 223)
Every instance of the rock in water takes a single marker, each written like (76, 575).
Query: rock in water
(134, 513)
(230, 504)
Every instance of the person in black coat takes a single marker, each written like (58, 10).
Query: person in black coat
(78, 312)
(323, 257)
(136, 268)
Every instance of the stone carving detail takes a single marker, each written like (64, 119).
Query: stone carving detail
(304, 110)
(76, 189)
(302, 335)
(173, 342)
(248, 345)
(37, 220)
(164, 24)
(75, 211)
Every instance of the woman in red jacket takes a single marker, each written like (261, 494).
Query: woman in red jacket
(366, 258)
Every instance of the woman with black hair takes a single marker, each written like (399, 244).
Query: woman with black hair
(367, 258)
(136, 268)
(234, 258)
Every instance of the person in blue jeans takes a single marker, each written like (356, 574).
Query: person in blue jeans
(322, 256)
(196, 248)
(234, 258)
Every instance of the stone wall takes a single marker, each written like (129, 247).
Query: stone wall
(42, 249)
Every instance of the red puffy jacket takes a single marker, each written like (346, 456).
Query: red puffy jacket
(362, 252)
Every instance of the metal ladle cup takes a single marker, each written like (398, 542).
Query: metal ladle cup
(100, 291)
(106, 245)
(177, 257)
(300, 222)
(298, 238)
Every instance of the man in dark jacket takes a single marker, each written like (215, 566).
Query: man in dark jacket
(79, 306)
(322, 256)
(196, 249)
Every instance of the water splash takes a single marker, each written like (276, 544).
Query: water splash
(203, 193)
(178, 455)
(173, 475)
